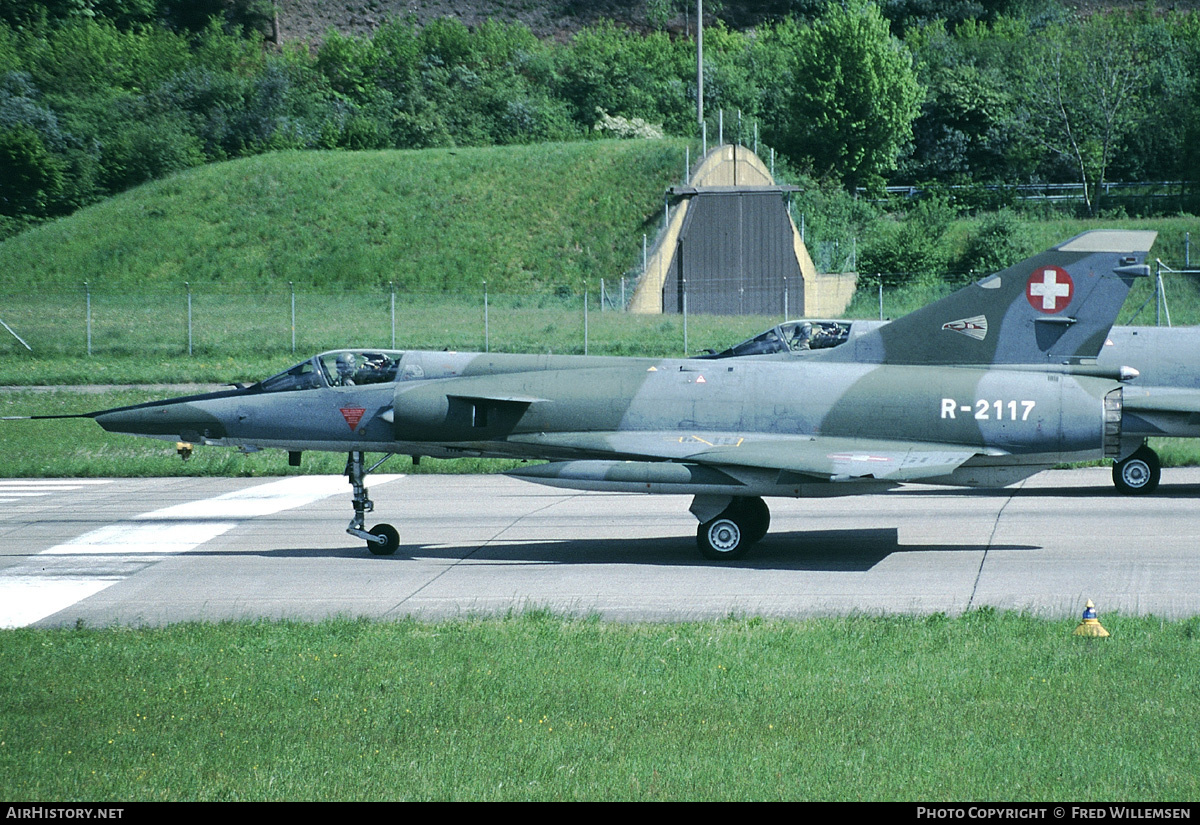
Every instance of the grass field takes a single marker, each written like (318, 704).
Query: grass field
(982, 707)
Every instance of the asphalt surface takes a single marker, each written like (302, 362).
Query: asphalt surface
(152, 551)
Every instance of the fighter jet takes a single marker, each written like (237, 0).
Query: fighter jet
(985, 387)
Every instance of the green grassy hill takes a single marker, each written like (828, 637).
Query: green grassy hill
(521, 218)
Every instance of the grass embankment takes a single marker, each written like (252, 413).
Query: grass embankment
(539, 224)
(523, 218)
(982, 707)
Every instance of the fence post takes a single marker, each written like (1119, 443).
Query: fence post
(683, 285)
(880, 277)
(392, 288)
(188, 287)
(486, 338)
(585, 320)
(88, 298)
(292, 290)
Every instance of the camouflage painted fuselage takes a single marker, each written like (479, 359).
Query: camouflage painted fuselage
(777, 428)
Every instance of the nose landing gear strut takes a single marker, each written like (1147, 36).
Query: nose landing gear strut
(382, 540)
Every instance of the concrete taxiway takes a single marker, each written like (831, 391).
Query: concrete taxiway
(153, 551)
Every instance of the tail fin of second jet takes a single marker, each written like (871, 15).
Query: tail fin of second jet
(1054, 308)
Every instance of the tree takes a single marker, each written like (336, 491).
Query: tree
(30, 177)
(1082, 94)
(854, 96)
(965, 132)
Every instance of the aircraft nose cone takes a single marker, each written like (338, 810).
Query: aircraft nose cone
(185, 422)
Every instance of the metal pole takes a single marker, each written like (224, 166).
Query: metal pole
(88, 293)
(392, 287)
(585, 321)
(644, 253)
(486, 332)
(785, 298)
(880, 277)
(188, 286)
(685, 314)
(292, 289)
(700, 61)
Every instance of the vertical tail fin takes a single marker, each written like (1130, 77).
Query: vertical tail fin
(1054, 308)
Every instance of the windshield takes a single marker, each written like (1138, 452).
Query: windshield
(303, 376)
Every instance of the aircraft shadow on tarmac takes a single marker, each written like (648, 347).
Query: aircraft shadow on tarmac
(815, 550)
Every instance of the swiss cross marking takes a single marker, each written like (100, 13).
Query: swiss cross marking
(1049, 289)
(352, 415)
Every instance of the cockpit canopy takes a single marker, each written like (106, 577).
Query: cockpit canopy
(338, 368)
(790, 336)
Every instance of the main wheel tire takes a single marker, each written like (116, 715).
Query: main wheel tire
(391, 540)
(755, 517)
(1139, 473)
(721, 539)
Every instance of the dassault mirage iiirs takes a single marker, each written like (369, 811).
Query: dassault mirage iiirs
(985, 387)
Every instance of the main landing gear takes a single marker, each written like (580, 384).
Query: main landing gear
(729, 534)
(382, 540)
(1138, 473)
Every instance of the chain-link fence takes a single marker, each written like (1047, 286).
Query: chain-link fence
(213, 322)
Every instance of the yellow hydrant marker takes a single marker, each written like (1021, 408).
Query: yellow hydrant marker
(1090, 625)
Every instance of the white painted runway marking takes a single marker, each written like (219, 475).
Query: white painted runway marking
(84, 566)
(14, 489)
(69, 483)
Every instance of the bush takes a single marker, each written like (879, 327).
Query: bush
(999, 243)
(914, 250)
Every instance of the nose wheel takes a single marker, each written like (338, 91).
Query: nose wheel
(382, 539)
(385, 540)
